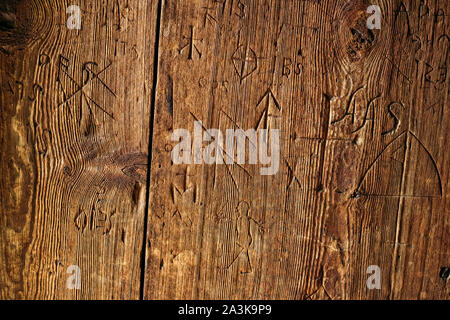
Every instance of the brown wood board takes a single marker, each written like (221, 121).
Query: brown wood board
(88, 179)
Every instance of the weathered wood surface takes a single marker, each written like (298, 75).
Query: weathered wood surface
(363, 118)
(74, 139)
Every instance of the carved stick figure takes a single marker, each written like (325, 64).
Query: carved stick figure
(243, 232)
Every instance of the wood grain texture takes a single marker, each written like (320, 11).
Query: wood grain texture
(87, 179)
(363, 116)
(74, 139)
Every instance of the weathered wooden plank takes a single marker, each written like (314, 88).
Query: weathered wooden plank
(361, 178)
(363, 123)
(75, 112)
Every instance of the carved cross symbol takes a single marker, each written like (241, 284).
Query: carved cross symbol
(292, 174)
(87, 76)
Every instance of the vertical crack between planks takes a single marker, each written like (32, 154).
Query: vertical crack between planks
(150, 144)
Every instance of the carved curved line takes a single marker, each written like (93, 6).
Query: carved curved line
(396, 120)
(432, 161)
(366, 113)
(378, 157)
(244, 202)
(353, 95)
(443, 37)
(388, 145)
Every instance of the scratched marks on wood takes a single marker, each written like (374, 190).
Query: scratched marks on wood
(81, 102)
(88, 75)
(397, 157)
(354, 108)
(363, 169)
(245, 61)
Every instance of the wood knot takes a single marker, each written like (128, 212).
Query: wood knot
(7, 20)
(353, 39)
(355, 195)
(22, 22)
(361, 38)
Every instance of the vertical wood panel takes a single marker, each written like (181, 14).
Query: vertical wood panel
(362, 181)
(74, 145)
(363, 170)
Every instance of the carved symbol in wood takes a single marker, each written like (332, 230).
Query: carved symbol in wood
(394, 117)
(245, 61)
(186, 204)
(243, 228)
(87, 76)
(96, 220)
(191, 45)
(236, 6)
(392, 162)
(369, 113)
(292, 177)
(208, 17)
(272, 109)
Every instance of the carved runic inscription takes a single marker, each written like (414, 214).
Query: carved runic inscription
(95, 221)
(271, 109)
(236, 7)
(191, 45)
(88, 76)
(245, 61)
